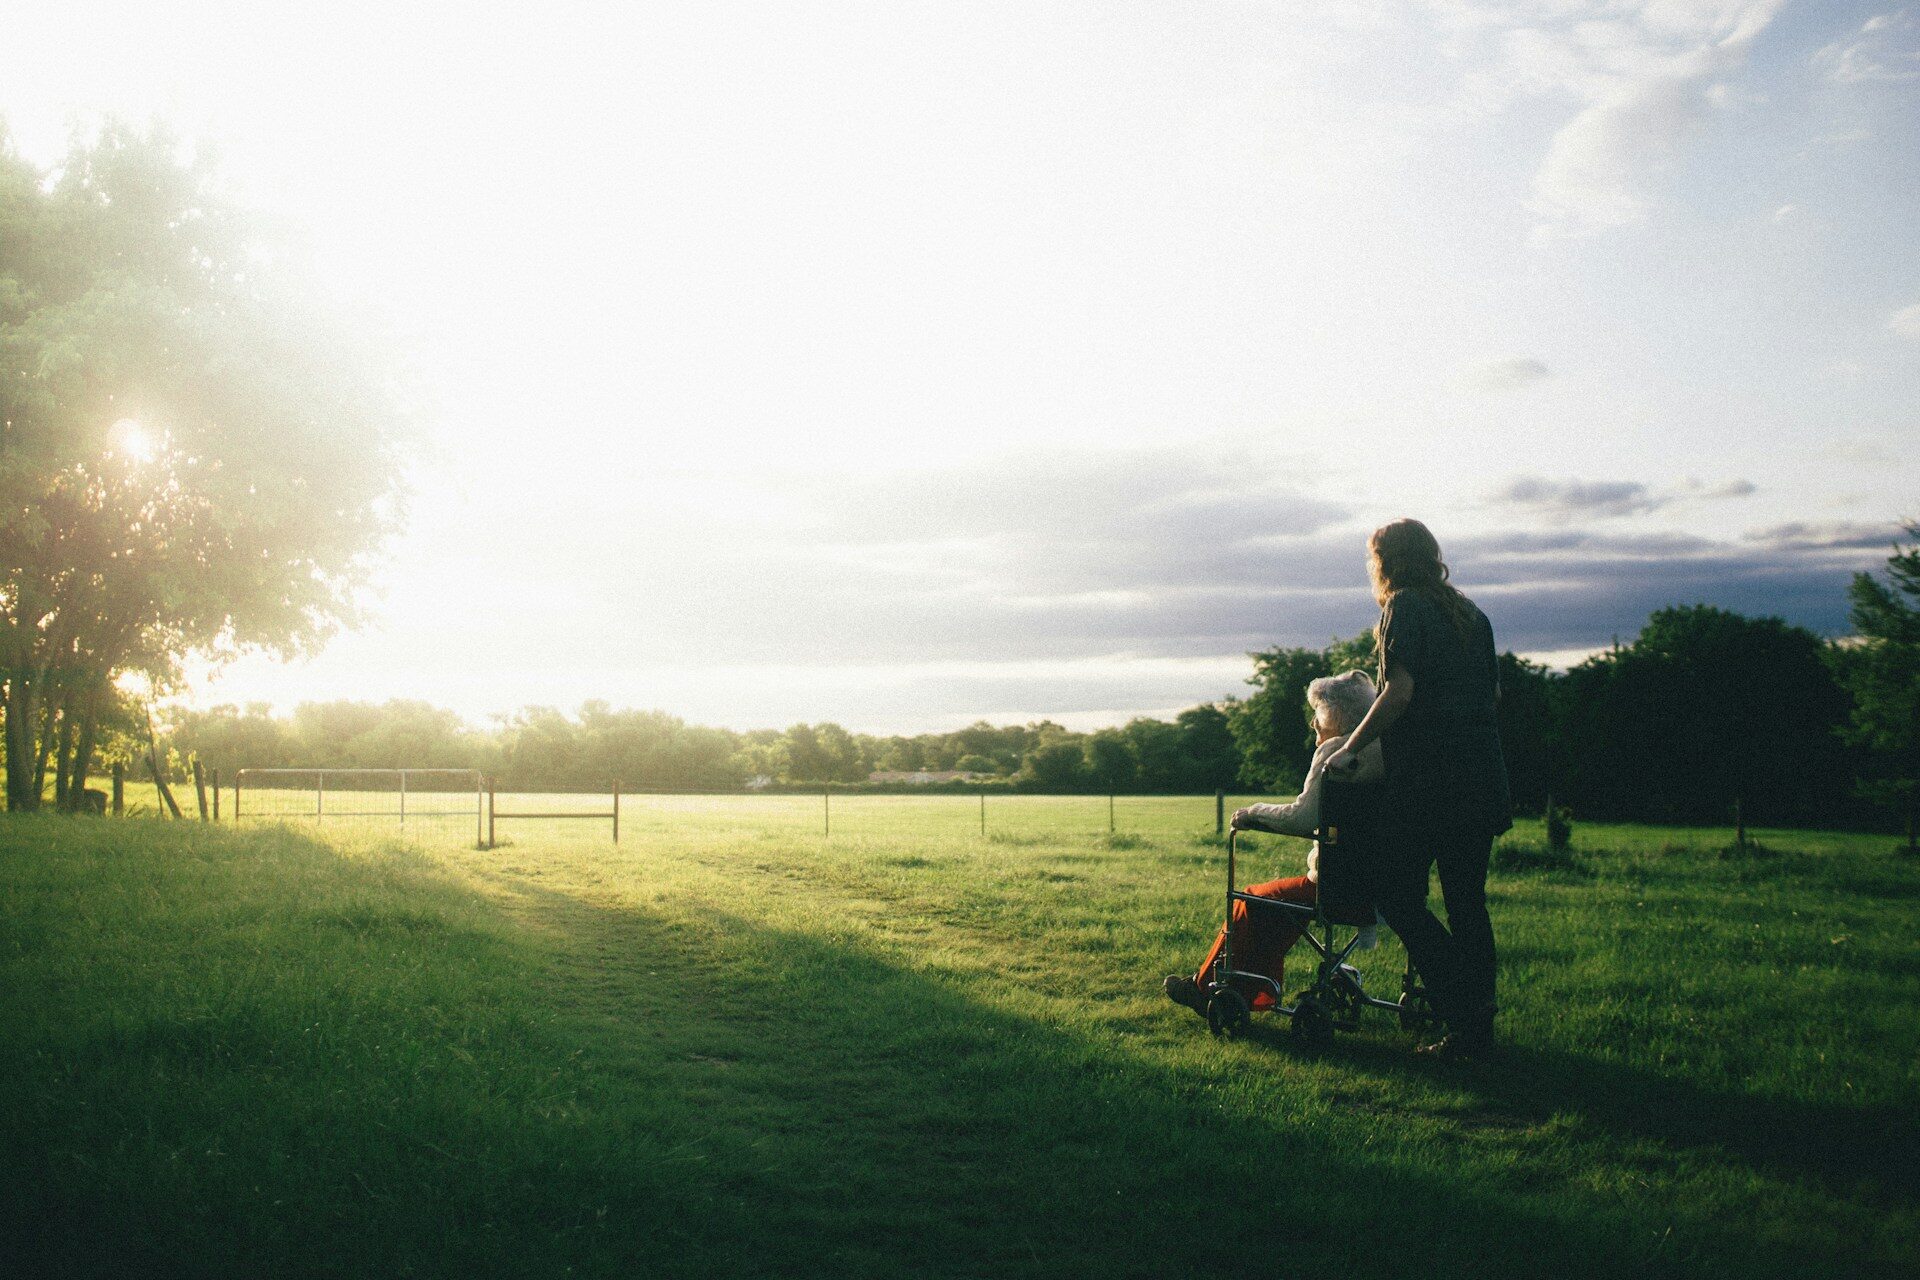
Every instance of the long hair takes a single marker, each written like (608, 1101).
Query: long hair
(1405, 556)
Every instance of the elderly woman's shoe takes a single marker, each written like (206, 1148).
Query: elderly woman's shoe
(1184, 990)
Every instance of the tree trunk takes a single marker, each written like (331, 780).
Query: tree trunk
(22, 711)
(42, 749)
(63, 758)
(81, 762)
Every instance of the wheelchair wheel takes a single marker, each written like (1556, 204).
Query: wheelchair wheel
(1416, 1011)
(1227, 1012)
(1312, 1023)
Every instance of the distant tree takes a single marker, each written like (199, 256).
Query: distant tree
(1528, 735)
(824, 753)
(977, 764)
(1156, 746)
(1209, 756)
(1110, 761)
(1882, 675)
(192, 457)
(1056, 763)
(1272, 728)
(1706, 709)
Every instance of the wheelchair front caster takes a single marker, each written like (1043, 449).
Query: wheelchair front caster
(1227, 1013)
(1312, 1024)
(1416, 1011)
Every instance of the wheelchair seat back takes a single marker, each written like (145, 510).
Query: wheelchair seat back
(1351, 837)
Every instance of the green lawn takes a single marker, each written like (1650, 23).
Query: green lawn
(732, 1047)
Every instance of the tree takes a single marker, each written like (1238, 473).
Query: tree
(1273, 729)
(1706, 709)
(1527, 732)
(1110, 760)
(1882, 675)
(1057, 763)
(192, 457)
(1209, 757)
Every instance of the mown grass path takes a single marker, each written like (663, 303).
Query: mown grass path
(736, 1047)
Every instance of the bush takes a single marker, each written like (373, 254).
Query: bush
(1559, 828)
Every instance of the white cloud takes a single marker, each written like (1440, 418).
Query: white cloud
(1906, 322)
(1885, 49)
(1643, 76)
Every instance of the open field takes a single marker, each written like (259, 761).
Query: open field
(733, 1046)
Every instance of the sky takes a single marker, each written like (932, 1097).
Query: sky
(908, 363)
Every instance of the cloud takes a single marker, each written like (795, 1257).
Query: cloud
(1906, 322)
(1643, 74)
(1569, 499)
(1886, 49)
(1561, 501)
(1508, 374)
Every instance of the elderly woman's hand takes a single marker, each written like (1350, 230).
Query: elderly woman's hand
(1342, 762)
(1242, 820)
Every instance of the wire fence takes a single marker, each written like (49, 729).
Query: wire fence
(443, 804)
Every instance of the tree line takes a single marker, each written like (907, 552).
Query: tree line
(543, 748)
(1705, 714)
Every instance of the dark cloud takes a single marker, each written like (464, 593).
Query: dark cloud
(1570, 499)
(1836, 536)
(1156, 554)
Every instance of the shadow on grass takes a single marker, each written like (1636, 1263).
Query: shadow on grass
(614, 1090)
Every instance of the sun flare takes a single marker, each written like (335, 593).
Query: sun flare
(134, 441)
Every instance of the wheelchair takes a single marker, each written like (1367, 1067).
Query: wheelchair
(1349, 835)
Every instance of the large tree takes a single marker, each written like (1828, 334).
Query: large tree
(193, 456)
(1881, 671)
(1706, 709)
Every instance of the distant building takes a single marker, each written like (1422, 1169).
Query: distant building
(759, 782)
(925, 777)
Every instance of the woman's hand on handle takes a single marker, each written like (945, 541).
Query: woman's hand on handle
(1242, 820)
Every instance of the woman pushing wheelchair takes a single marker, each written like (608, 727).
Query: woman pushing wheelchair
(1443, 797)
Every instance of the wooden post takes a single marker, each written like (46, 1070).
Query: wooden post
(490, 782)
(214, 783)
(236, 797)
(1109, 813)
(983, 814)
(153, 767)
(200, 787)
(119, 789)
(826, 812)
(1219, 813)
(403, 797)
(1739, 827)
(616, 811)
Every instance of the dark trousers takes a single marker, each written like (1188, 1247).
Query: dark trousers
(1455, 960)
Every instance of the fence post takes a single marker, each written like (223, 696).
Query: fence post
(1219, 813)
(826, 812)
(319, 795)
(490, 783)
(200, 788)
(1109, 813)
(119, 789)
(403, 797)
(236, 796)
(983, 814)
(616, 811)
(213, 784)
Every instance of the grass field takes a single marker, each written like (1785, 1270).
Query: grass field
(731, 1046)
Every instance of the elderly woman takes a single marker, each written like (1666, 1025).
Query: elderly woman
(1260, 943)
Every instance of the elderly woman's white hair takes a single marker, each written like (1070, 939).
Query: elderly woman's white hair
(1342, 699)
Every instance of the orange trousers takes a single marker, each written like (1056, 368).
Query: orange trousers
(1261, 942)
